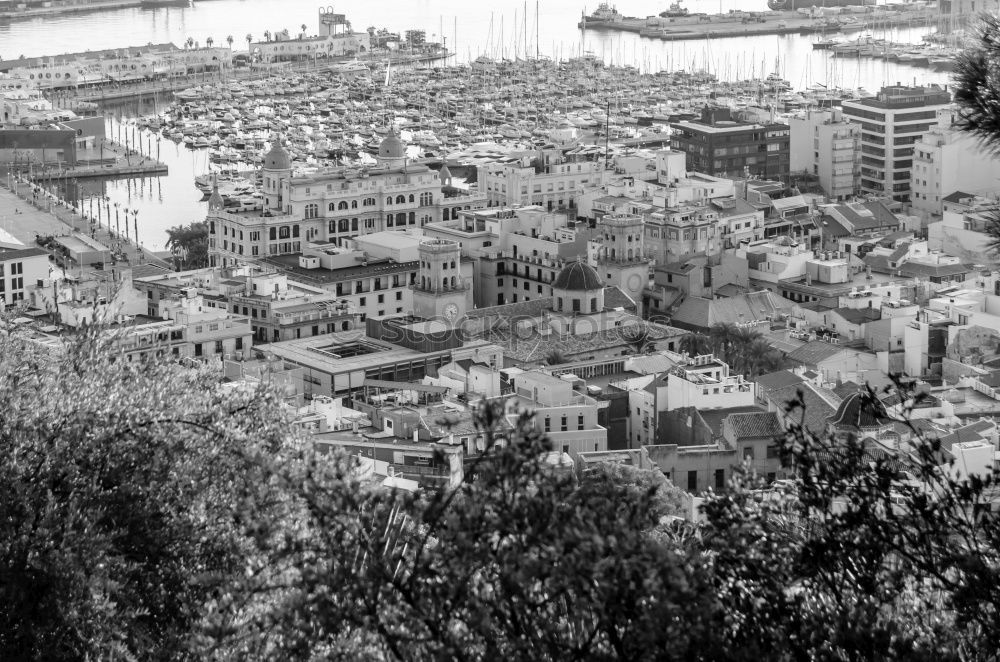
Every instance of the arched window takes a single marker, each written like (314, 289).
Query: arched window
(342, 204)
(444, 283)
(413, 217)
(354, 204)
(331, 207)
(333, 225)
(312, 210)
(388, 200)
(453, 264)
(369, 202)
(344, 225)
(411, 197)
(452, 282)
(400, 199)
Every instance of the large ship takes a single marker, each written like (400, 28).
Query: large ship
(794, 5)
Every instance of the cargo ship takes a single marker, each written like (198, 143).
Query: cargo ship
(794, 5)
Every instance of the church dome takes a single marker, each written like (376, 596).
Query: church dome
(577, 276)
(859, 412)
(277, 158)
(391, 147)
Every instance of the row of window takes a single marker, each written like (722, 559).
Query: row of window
(564, 423)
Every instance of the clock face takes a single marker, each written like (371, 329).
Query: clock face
(451, 312)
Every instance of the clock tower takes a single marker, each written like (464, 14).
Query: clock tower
(440, 290)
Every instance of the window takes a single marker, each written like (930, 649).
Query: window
(563, 425)
(579, 422)
(548, 424)
(720, 479)
(692, 485)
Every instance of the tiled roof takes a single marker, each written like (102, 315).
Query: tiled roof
(697, 313)
(779, 379)
(714, 417)
(615, 298)
(756, 425)
(833, 228)
(972, 432)
(920, 269)
(859, 315)
(957, 196)
(817, 409)
(813, 352)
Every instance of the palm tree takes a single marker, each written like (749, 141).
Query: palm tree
(555, 357)
(267, 35)
(229, 40)
(637, 336)
(189, 43)
(303, 31)
(758, 357)
(722, 335)
(249, 39)
(696, 344)
(209, 42)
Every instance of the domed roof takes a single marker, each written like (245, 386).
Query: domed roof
(577, 276)
(860, 411)
(391, 147)
(277, 158)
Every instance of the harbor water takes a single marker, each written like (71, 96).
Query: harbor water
(507, 29)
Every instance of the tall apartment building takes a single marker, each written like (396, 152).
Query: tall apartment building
(330, 205)
(825, 144)
(721, 145)
(20, 271)
(891, 123)
(542, 178)
(947, 160)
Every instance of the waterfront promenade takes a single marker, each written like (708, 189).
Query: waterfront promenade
(28, 212)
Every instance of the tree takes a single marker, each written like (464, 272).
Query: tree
(189, 43)
(189, 245)
(858, 561)
(267, 35)
(527, 561)
(304, 30)
(209, 41)
(696, 344)
(130, 494)
(637, 336)
(977, 93)
(555, 357)
(230, 40)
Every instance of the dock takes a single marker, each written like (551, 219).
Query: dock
(775, 23)
(65, 8)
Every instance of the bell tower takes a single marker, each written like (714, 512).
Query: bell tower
(620, 260)
(276, 170)
(440, 290)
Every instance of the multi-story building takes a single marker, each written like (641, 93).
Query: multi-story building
(825, 144)
(958, 14)
(278, 307)
(891, 123)
(566, 416)
(677, 232)
(543, 178)
(331, 205)
(621, 257)
(335, 39)
(723, 146)
(21, 269)
(517, 252)
(947, 160)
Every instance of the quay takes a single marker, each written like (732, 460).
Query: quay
(65, 7)
(68, 97)
(734, 25)
(29, 212)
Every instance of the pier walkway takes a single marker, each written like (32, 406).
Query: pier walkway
(27, 212)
